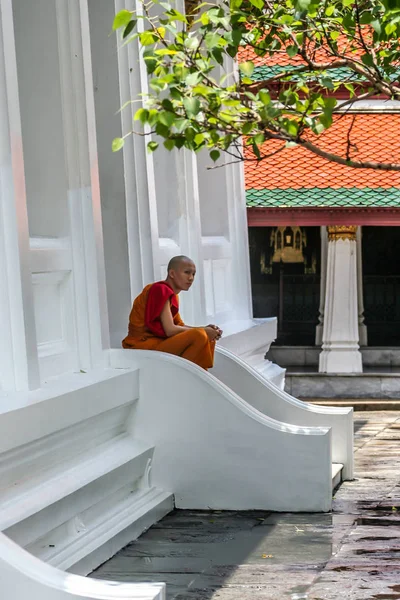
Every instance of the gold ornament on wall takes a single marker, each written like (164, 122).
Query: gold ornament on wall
(288, 243)
(342, 232)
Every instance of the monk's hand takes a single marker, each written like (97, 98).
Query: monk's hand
(218, 330)
(212, 333)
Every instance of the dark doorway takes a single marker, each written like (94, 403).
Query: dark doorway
(285, 273)
(381, 281)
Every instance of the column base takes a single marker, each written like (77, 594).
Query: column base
(318, 334)
(337, 360)
(362, 334)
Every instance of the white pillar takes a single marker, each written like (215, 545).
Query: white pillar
(83, 182)
(324, 258)
(141, 207)
(362, 328)
(340, 348)
(19, 368)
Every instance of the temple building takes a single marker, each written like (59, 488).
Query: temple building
(98, 443)
(324, 242)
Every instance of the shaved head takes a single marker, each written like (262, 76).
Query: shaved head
(177, 262)
(181, 273)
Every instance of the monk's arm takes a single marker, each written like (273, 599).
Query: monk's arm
(167, 322)
(171, 328)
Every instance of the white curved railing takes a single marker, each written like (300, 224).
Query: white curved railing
(214, 450)
(24, 577)
(277, 404)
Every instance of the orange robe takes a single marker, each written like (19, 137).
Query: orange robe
(146, 331)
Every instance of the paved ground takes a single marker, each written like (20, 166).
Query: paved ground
(353, 553)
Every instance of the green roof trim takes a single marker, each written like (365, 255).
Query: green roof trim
(342, 74)
(324, 198)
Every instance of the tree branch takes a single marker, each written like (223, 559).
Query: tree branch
(357, 164)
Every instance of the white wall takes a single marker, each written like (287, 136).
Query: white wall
(38, 70)
(41, 116)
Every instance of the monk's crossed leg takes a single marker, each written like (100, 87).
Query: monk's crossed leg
(193, 345)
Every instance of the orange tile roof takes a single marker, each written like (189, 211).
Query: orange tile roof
(319, 54)
(376, 137)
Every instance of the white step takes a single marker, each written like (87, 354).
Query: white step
(271, 371)
(103, 537)
(23, 577)
(336, 474)
(29, 496)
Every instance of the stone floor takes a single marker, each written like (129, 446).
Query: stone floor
(352, 553)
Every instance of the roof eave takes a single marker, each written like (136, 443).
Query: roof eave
(316, 216)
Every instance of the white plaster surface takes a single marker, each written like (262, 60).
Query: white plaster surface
(214, 450)
(19, 369)
(41, 116)
(266, 397)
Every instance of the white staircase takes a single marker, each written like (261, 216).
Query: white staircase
(273, 402)
(337, 469)
(250, 341)
(24, 577)
(90, 462)
(215, 449)
(77, 495)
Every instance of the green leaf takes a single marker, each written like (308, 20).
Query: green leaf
(214, 155)
(258, 3)
(193, 79)
(303, 4)
(192, 106)
(117, 144)
(326, 120)
(247, 68)
(141, 115)
(264, 97)
(147, 38)
(256, 150)
(291, 51)
(330, 103)
(129, 28)
(327, 83)
(152, 146)
(167, 118)
(122, 19)
(169, 144)
(167, 105)
(376, 24)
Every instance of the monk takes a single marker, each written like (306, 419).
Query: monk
(155, 323)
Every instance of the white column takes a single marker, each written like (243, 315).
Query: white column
(324, 258)
(190, 233)
(362, 328)
(18, 349)
(340, 347)
(237, 210)
(162, 196)
(141, 206)
(83, 182)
